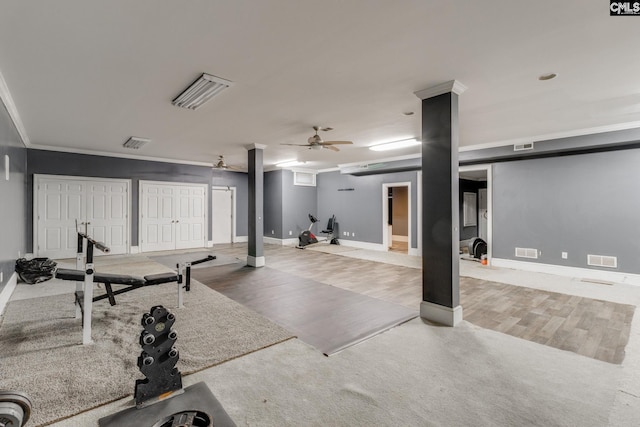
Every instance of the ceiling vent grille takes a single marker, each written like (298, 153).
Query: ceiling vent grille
(527, 253)
(523, 147)
(201, 91)
(602, 261)
(135, 143)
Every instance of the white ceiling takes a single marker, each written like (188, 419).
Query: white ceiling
(88, 75)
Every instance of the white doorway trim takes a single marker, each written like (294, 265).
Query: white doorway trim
(37, 180)
(385, 212)
(234, 237)
(489, 171)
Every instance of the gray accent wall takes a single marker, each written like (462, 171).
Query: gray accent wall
(13, 217)
(85, 165)
(298, 201)
(273, 204)
(357, 201)
(579, 204)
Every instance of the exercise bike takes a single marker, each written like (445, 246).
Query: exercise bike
(308, 238)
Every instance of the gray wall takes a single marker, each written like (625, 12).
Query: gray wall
(580, 204)
(71, 164)
(360, 211)
(298, 201)
(273, 204)
(13, 218)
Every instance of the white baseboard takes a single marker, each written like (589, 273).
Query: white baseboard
(281, 242)
(134, 250)
(209, 244)
(240, 239)
(255, 261)
(440, 314)
(363, 245)
(414, 252)
(29, 256)
(561, 270)
(7, 291)
(400, 238)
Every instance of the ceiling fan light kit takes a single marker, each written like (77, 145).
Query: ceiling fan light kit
(200, 91)
(404, 143)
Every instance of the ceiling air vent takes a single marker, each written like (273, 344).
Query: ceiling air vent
(602, 261)
(134, 142)
(523, 147)
(201, 91)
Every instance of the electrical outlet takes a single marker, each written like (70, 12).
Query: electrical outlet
(290, 232)
(353, 234)
(19, 254)
(565, 255)
(1, 276)
(273, 232)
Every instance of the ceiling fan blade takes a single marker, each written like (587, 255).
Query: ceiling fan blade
(297, 145)
(331, 147)
(335, 142)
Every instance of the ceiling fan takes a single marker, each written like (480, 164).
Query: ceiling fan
(221, 164)
(316, 143)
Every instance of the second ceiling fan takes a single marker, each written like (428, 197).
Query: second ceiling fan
(316, 143)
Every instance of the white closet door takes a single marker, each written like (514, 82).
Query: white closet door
(157, 217)
(190, 217)
(100, 205)
(107, 210)
(60, 204)
(222, 215)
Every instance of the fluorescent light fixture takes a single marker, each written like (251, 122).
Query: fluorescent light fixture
(201, 91)
(395, 145)
(289, 163)
(134, 142)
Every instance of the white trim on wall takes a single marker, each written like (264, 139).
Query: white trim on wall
(7, 291)
(7, 100)
(280, 242)
(561, 270)
(363, 245)
(241, 239)
(385, 211)
(489, 170)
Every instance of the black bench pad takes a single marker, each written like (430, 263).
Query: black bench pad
(157, 279)
(116, 279)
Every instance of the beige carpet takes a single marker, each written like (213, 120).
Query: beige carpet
(41, 353)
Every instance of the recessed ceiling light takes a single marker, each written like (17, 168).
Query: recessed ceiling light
(289, 163)
(547, 76)
(395, 145)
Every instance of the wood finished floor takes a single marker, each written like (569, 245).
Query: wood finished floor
(593, 328)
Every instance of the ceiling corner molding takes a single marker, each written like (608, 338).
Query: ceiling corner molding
(255, 147)
(7, 100)
(450, 86)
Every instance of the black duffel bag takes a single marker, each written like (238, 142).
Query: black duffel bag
(35, 270)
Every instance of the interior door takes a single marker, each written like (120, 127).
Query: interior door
(157, 217)
(107, 211)
(190, 217)
(60, 204)
(482, 214)
(222, 215)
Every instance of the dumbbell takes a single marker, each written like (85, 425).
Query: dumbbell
(15, 408)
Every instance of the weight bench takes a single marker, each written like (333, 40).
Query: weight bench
(132, 282)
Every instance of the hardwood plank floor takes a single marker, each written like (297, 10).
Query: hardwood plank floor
(593, 328)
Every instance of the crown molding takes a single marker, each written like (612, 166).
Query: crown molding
(250, 147)
(450, 86)
(7, 100)
(118, 155)
(552, 136)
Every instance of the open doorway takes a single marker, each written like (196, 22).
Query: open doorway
(475, 207)
(396, 218)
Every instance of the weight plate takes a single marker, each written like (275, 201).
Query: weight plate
(18, 398)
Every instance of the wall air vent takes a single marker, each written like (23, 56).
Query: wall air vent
(527, 253)
(602, 261)
(523, 147)
(201, 91)
(134, 142)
